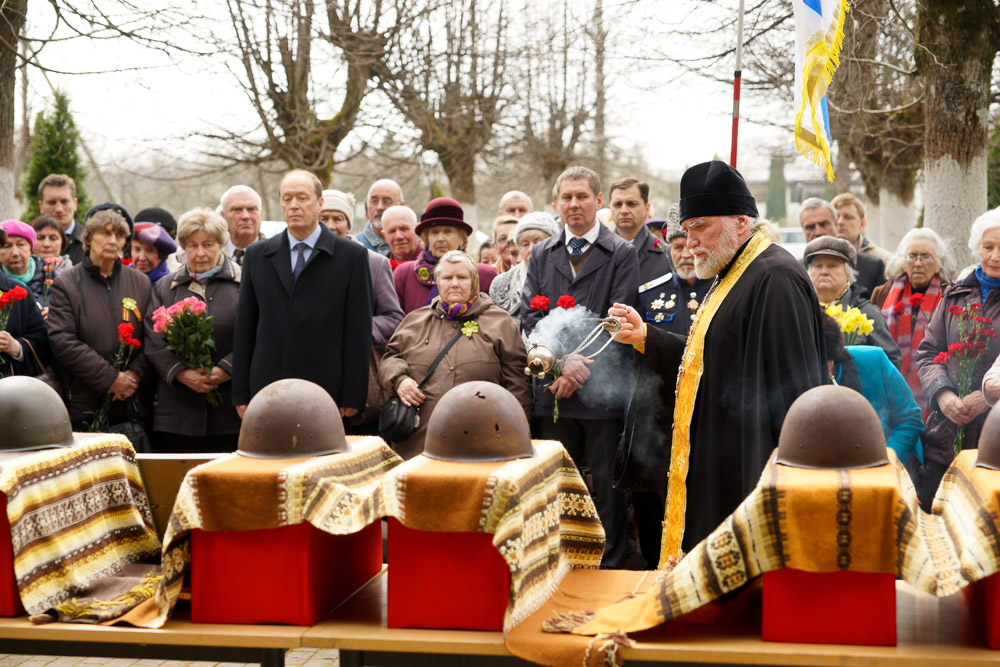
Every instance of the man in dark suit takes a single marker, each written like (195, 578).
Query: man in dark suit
(596, 267)
(57, 199)
(629, 204)
(305, 306)
(818, 218)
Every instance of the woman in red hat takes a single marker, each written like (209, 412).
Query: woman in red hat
(442, 228)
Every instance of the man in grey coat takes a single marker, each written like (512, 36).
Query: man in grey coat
(597, 268)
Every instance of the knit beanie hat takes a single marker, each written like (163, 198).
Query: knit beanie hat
(537, 220)
(335, 200)
(714, 188)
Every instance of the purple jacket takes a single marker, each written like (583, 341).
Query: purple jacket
(414, 294)
(388, 314)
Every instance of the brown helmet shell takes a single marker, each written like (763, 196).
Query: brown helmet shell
(32, 415)
(478, 421)
(989, 441)
(292, 418)
(832, 427)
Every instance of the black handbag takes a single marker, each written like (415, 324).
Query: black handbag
(396, 420)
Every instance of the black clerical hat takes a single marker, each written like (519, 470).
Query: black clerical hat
(715, 188)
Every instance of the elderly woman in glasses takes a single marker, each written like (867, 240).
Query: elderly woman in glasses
(916, 278)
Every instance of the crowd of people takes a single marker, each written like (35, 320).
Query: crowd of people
(403, 309)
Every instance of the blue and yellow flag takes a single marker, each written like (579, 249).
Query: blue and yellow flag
(819, 33)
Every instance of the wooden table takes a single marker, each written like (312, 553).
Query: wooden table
(179, 639)
(930, 633)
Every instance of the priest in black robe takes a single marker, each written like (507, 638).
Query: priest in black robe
(756, 344)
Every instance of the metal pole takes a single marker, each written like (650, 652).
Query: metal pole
(736, 85)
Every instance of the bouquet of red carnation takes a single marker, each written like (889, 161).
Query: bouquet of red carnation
(127, 345)
(974, 332)
(540, 302)
(189, 334)
(7, 300)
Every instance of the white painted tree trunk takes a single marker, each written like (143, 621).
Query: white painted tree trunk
(8, 202)
(954, 196)
(890, 220)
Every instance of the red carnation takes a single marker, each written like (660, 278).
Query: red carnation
(540, 302)
(18, 293)
(956, 348)
(125, 331)
(135, 343)
(955, 310)
(988, 333)
(942, 358)
(982, 320)
(916, 300)
(566, 301)
(4, 299)
(975, 307)
(898, 308)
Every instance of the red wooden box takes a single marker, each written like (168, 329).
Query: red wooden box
(292, 574)
(10, 599)
(983, 597)
(829, 608)
(445, 580)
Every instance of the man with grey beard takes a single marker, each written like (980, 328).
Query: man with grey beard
(756, 344)
(669, 302)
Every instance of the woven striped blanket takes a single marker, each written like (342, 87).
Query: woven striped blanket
(865, 520)
(538, 509)
(85, 548)
(339, 494)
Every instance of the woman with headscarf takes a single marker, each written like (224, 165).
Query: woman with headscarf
(909, 296)
(505, 291)
(24, 344)
(948, 409)
(487, 346)
(183, 420)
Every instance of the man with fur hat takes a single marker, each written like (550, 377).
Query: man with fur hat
(755, 345)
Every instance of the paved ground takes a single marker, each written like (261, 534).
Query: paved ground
(302, 657)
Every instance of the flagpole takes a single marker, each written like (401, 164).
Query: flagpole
(736, 85)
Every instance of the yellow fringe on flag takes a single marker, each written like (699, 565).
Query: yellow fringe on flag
(821, 61)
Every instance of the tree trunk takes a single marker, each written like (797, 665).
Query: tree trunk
(12, 13)
(959, 40)
(890, 219)
(459, 166)
(600, 137)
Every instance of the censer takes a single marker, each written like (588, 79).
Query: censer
(542, 359)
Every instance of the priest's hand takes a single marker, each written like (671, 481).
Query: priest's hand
(409, 392)
(953, 407)
(632, 331)
(976, 404)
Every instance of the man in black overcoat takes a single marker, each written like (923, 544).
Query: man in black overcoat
(755, 346)
(305, 306)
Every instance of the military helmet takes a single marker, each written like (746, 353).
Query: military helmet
(832, 427)
(989, 441)
(33, 416)
(292, 418)
(478, 421)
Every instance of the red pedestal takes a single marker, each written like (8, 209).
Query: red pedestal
(10, 599)
(983, 597)
(445, 580)
(293, 574)
(829, 608)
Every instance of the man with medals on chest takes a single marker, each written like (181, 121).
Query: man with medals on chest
(755, 345)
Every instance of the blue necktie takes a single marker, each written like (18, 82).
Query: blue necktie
(576, 247)
(300, 260)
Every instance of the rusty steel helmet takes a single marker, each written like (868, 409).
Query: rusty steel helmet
(292, 418)
(989, 441)
(478, 421)
(33, 416)
(832, 427)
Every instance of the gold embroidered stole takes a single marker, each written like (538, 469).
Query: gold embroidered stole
(688, 379)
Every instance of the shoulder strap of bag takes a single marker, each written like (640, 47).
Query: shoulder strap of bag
(437, 361)
(39, 368)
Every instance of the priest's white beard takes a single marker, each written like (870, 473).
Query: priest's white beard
(711, 262)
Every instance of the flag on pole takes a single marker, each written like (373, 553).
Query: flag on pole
(819, 33)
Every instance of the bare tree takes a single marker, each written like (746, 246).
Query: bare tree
(446, 74)
(11, 20)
